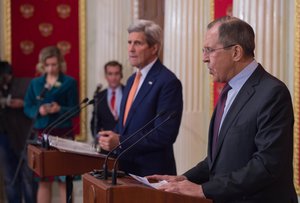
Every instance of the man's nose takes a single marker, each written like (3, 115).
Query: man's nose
(205, 58)
(131, 47)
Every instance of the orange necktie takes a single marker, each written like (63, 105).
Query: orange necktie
(132, 94)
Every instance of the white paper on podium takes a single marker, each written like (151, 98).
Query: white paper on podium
(72, 146)
(146, 182)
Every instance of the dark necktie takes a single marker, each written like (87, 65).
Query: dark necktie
(218, 116)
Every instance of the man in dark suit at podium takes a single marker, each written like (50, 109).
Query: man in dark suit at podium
(150, 90)
(107, 102)
(250, 149)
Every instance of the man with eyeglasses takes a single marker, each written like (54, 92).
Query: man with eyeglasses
(250, 149)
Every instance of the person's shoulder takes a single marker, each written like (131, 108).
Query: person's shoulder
(102, 92)
(267, 82)
(68, 77)
(267, 77)
(38, 80)
(164, 71)
(167, 74)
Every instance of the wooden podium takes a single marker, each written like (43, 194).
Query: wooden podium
(53, 162)
(129, 190)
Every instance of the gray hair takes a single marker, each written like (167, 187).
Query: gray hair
(152, 31)
(233, 30)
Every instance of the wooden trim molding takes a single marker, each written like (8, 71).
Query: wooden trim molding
(83, 69)
(7, 30)
(211, 82)
(296, 95)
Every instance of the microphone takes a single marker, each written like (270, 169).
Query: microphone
(96, 102)
(72, 114)
(98, 89)
(114, 170)
(85, 100)
(68, 114)
(95, 114)
(104, 168)
(46, 88)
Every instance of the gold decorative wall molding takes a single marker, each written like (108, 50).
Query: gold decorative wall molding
(211, 82)
(296, 94)
(7, 30)
(82, 73)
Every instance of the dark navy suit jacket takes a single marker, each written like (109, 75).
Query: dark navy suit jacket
(160, 91)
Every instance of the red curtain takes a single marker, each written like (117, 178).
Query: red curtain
(36, 24)
(221, 8)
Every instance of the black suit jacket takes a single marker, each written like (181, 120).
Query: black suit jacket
(14, 122)
(105, 119)
(254, 155)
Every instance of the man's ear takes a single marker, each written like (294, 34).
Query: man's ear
(155, 48)
(238, 52)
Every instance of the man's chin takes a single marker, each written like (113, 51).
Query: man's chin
(134, 62)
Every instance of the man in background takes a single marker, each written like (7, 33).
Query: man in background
(107, 102)
(14, 128)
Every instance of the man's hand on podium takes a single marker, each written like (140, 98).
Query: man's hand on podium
(178, 184)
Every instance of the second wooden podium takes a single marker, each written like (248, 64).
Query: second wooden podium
(129, 190)
(53, 162)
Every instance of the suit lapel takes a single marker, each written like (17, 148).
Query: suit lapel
(210, 138)
(239, 102)
(143, 91)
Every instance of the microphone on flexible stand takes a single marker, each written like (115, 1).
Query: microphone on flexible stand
(98, 88)
(104, 172)
(46, 88)
(95, 115)
(71, 114)
(96, 102)
(68, 114)
(45, 136)
(84, 101)
(114, 170)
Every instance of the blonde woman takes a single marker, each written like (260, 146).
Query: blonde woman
(60, 96)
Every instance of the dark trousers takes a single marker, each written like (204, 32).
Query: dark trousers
(24, 186)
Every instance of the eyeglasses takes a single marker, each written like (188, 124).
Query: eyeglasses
(209, 50)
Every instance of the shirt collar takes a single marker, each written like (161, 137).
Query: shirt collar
(239, 80)
(109, 89)
(145, 70)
